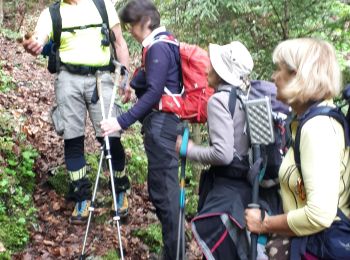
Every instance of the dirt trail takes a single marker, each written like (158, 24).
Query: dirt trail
(53, 237)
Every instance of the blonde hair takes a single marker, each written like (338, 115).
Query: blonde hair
(317, 72)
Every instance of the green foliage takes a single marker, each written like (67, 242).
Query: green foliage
(59, 181)
(133, 46)
(6, 81)
(260, 25)
(92, 162)
(136, 165)
(17, 181)
(151, 236)
(191, 190)
(5, 256)
(9, 34)
(111, 255)
(18, 169)
(13, 233)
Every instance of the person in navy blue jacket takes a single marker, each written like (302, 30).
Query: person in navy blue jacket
(161, 69)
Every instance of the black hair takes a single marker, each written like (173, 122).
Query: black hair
(140, 11)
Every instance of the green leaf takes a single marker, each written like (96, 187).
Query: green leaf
(12, 162)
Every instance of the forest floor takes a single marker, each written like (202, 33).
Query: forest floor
(52, 237)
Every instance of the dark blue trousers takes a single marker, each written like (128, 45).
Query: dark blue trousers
(163, 183)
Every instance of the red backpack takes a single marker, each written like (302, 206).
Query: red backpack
(191, 103)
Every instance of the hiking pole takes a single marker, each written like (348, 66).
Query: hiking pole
(106, 147)
(260, 126)
(181, 228)
(109, 157)
(92, 208)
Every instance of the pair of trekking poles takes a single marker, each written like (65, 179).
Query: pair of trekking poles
(106, 153)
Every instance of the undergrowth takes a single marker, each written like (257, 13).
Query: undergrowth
(17, 182)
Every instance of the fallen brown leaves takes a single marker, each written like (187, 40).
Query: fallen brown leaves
(53, 237)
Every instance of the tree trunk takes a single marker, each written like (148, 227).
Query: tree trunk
(286, 20)
(1, 12)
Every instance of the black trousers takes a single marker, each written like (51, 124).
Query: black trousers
(163, 182)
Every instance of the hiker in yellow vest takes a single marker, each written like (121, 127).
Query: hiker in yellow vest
(82, 53)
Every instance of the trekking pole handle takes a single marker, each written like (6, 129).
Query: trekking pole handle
(121, 70)
(184, 143)
(182, 184)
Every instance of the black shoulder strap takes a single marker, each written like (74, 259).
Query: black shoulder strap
(232, 99)
(336, 113)
(101, 7)
(56, 19)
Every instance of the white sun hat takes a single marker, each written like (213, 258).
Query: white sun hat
(232, 62)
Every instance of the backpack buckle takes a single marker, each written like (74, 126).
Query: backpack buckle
(105, 34)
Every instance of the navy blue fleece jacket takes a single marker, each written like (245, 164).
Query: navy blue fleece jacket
(162, 69)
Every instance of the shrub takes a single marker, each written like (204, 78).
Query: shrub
(17, 181)
(151, 236)
(136, 164)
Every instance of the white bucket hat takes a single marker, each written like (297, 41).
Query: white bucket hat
(232, 62)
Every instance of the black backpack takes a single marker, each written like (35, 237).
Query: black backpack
(333, 242)
(54, 9)
(272, 153)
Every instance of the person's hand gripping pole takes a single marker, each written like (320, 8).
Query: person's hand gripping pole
(181, 228)
(110, 124)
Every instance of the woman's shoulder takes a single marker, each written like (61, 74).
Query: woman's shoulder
(323, 129)
(159, 43)
(322, 124)
(160, 50)
(219, 97)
